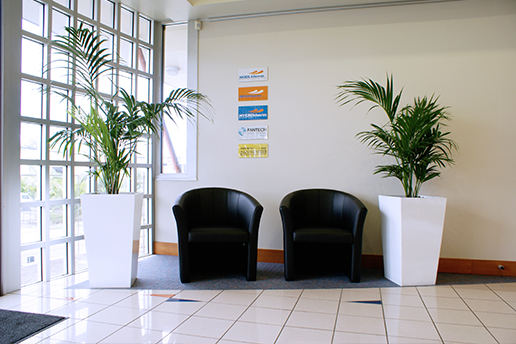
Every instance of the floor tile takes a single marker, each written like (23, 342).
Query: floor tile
(366, 294)
(78, 310)
(162, 321)
(465, 334)
(317, 306)
(503, 335)
(403, 340)
(188, 308)
(117, 315)
(12, 300)
(479, 294)
(411, 329)
(176, 338)
(204, 327)
(141, 301)
(199, 295)
(361, 309)
(356, 324)
(322, 294)
(131, 335)
(506, 295)
(402, 300)
(86, 332)
(319, 321)
(41, 305)
(489, 306)
(401, 291)
(445, 303)
(253, 333)
(442, 291)
(221, 311)
(500, 320)
(453, 316)
(406, 313)
(108, 297)
(297, 335)
(278, 302)
(283, 292)
(357, 338)
(261, 315)
(236, 297)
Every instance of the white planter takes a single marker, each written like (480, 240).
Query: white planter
(112, 234)
(412, 230)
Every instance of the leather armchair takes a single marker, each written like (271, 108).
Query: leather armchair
(322, 216)
(214, 216)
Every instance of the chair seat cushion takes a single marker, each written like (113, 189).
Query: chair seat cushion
(218, 234)
(323, 234)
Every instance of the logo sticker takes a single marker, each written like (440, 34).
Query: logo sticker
(252, 74)
(252, 93)
(252, 112)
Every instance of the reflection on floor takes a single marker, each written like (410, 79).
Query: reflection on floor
(478, 313)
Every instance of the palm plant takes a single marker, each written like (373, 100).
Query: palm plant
(111, 126)
(413, 135)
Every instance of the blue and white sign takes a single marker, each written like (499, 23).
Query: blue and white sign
(246, 113)
(252, 74)
(255, 132)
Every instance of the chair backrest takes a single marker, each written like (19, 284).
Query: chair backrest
(218, 206)
(323, 207)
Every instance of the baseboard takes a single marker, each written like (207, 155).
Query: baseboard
(375, 261)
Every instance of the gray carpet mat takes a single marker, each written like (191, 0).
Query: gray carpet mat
(161, 272)
(17, 326)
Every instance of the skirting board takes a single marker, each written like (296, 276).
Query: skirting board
(373, 261)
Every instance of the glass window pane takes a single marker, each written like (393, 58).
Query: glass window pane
(125, 81)
(81, 180)
(59, 67)
(31, 104)
(59, 106)
(54, 153)
(126, 53)
(145, 211)
(126, 21)
(32, 57)
(142, 180)
(144, 59)
(144, 89)
(66, 3)
(78, 223)
(59, 22)
(107, 13)
(106, 82)
(30, 183)
(145, 30)
(80, 256)
(30, 224)
(58, 221)
(58, 182)
(174, 136)
(82, 152)
(85, 7)
(31, 271)
(30, 141)
(58, 260)
(33, 17)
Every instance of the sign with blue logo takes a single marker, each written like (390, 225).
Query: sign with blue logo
(255, 132)
(246, 113)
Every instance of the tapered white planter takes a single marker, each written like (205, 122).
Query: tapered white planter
(112, 234)
(412, 230)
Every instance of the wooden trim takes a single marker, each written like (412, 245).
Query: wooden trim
(375, 261)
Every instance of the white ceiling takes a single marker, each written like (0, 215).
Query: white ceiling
(182, 10)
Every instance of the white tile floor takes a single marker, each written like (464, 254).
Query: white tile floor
(481, 313)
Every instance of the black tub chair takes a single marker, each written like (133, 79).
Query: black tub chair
(219, 218)
(319, 216)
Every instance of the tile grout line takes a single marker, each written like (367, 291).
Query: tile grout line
(289, 315)
(337, 316)
(475, 314)
(429, 315)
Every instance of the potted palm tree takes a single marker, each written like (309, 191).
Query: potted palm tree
(111, 128)
(414, 140)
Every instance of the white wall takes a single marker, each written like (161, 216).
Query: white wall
(463, 51)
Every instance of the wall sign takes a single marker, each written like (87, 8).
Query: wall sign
(256, 132)
(252, 74)
(246, 113)
(255, 150)
(252, 93)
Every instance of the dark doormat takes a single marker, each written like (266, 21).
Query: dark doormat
(17, 326)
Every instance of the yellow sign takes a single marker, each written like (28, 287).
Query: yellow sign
(253, 93)
(255, 150)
